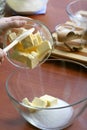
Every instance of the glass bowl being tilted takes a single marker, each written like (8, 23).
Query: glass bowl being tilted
(30, 50)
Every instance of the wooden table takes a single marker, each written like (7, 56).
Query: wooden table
(9, 118)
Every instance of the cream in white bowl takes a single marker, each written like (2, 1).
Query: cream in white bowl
(26, 6)
(48, 118)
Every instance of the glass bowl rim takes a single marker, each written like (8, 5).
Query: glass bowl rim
(69, 12)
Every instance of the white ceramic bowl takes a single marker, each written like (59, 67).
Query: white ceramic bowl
(27, 7)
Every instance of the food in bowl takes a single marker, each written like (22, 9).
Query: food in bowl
(61, 117)
(42, 102)
(61, 79)
(33, 49)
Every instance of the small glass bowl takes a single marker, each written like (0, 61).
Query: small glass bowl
(45, 34)
(64, 79)
(77, 12)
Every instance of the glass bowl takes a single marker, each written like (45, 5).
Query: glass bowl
(77, 11)
(31, 51)
(62, 79)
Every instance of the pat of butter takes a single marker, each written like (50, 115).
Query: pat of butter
(37, 102)
(30, 59)
(41, 102)
(51, 101)
(28, 41)
(19, 56)
(38, 35)
(26, 101)
(12, 36)
(32, 40)
(19, 47)
(20, 30)
(43, 49)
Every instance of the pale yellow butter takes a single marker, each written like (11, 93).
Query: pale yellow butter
(44, 101)
(31, 50)
(20, 30)
(43, 49)
(32, 40)
(28, 41)
(26, 101)
(12, 36)
(19, 56)
(37, 102)
(51, 101)
(38, 35)
(30, 60)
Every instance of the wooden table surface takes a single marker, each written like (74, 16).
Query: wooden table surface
(9, 118)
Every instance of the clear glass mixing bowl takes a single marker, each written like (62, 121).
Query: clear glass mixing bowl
(45, 35)
(66, 80)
